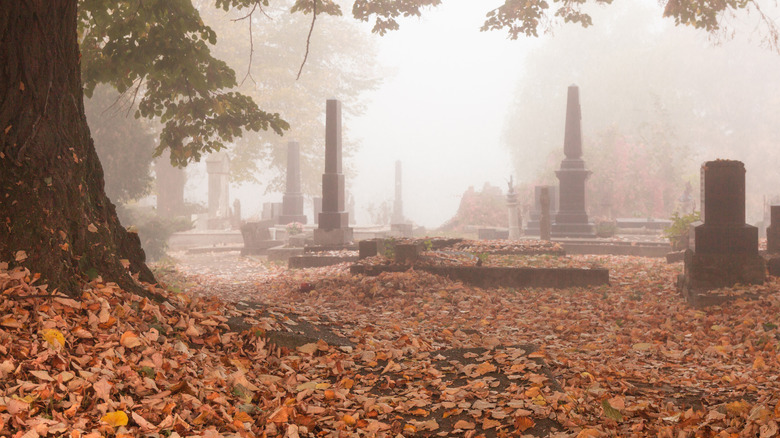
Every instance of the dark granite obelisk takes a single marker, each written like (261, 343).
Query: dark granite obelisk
(572, 219)
(333, 225)
(726, 248)
(292, 201)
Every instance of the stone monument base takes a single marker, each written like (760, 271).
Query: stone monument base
(333, 237)
(285, 219)
(573, 230)
(707, 272)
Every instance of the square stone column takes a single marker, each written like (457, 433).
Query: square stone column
(726, 248)
(292, 201)
(333, 226)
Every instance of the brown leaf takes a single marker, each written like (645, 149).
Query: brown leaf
(464, 425)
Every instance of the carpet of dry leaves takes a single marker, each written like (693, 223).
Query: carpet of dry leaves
(239, 353)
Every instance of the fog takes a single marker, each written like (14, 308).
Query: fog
(460, 107)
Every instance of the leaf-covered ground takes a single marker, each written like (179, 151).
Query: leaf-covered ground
(248, 350)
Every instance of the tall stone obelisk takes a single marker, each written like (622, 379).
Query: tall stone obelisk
(333, 226)
(292, 201)
(572, 219)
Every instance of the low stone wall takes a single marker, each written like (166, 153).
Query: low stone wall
(317, 261)
(491, 277)
(641, 250)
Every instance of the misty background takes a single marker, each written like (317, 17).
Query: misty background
(461, 108)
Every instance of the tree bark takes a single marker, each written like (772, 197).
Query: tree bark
(52, 200)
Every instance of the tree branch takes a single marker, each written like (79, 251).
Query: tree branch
(308, 38)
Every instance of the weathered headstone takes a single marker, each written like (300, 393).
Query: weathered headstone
(773, 230)
(572, 219)
(371, 248)
(317, 208)
(532, 226)
(170, 187)
(398, 203)
(236, 217)
(513, 212)
(271, 211)
(257, 237)
(218, 169)
(545, 217)
(292, 201)
(773, 241)
(726, 248)
(333, 227)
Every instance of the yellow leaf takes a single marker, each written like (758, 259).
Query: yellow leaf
(115, 419)
(129, 340)
(54, 337)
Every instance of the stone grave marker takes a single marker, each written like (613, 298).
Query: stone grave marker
(532, 226)
(726, 248)
(333, 227)
(513, 212)
(292, 201)
(170, 187)
(773, 241)
(572, 219)
(545, 217)
(218, 169)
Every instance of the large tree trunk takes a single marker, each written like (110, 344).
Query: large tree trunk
(52, 202)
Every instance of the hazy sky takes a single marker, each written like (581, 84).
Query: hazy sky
(443, 109)
(441, 113)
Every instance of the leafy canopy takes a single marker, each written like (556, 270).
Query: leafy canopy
(159, 51)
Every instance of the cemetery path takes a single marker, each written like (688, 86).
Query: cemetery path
(251, 350)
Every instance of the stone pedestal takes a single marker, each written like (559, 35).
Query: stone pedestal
(726, 249)
(572, 219)
(333, 224)
(292, 201)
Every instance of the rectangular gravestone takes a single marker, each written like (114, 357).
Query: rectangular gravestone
(292, 201)
(532, 226)
(726, 248)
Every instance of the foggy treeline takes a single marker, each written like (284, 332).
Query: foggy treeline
(657, 101)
